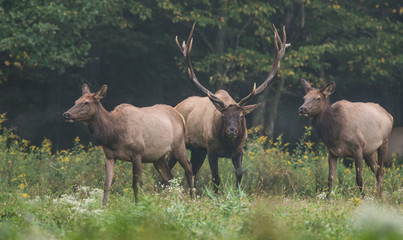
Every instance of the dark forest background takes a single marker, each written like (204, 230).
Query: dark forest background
(48, 49)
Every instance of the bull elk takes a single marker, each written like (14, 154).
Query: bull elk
(395, 145)
(137, 135)
(215, 124)
(352, 129)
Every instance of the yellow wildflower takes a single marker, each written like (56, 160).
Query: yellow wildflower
(25, 195)
(262, 139)
(309, 144)
(258, 128)
(355, 201)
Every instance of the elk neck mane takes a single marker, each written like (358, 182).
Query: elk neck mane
(105, 127)
(327, 125)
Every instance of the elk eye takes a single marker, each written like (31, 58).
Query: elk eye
(318, 99)
(86, 103)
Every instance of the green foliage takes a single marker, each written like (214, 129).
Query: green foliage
(234, 36)
(351, 43)
(49, 34)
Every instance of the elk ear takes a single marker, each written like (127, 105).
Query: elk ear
(306, 85)
(85, 89)
(249, 108)
(329, 89)
(101, 93)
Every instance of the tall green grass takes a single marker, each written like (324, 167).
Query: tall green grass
(56, 195)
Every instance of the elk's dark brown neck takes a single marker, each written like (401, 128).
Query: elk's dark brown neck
(326, 125)
(104, 127)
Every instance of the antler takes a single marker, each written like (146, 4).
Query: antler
(185, 49)
(280, 49)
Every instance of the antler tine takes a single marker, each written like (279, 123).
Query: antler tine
(185, 49)
(276, 39)
(249, 97)
(190, 38)
(280, 51)
(190, 45)
(285, 37)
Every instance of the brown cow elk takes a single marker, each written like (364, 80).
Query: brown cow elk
(358, 130)
(137, 135)
(215, 125)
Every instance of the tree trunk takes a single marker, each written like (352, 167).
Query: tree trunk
(271, 113)
(220, 45)
(259, 113)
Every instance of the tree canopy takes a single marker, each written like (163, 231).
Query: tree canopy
(357, 44)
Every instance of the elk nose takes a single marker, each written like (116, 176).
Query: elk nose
(232, 131)
(302, 110)
(66, 115)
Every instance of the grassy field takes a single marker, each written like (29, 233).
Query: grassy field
(57, 195)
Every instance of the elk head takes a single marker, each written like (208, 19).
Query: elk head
(86, 106)
(233, 114)
(233, 118)
(315, 100)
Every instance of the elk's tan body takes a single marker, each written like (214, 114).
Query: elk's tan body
(368, 125)
(137, 135)
(150, 132)
(203, 123)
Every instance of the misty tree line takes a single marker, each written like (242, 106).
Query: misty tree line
(48, 49)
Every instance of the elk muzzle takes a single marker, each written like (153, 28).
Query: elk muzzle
(67, 116)
(303, 111)
(232, 132)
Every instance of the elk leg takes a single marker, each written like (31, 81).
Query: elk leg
(171, 161)
(382, 151)
(136, 164)
(213, 161)
(358, 158)
(237, 162)
(332, 160)
(197, 158)
(109, 166)
(180, 155)
(371, 162)
(163, 170)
